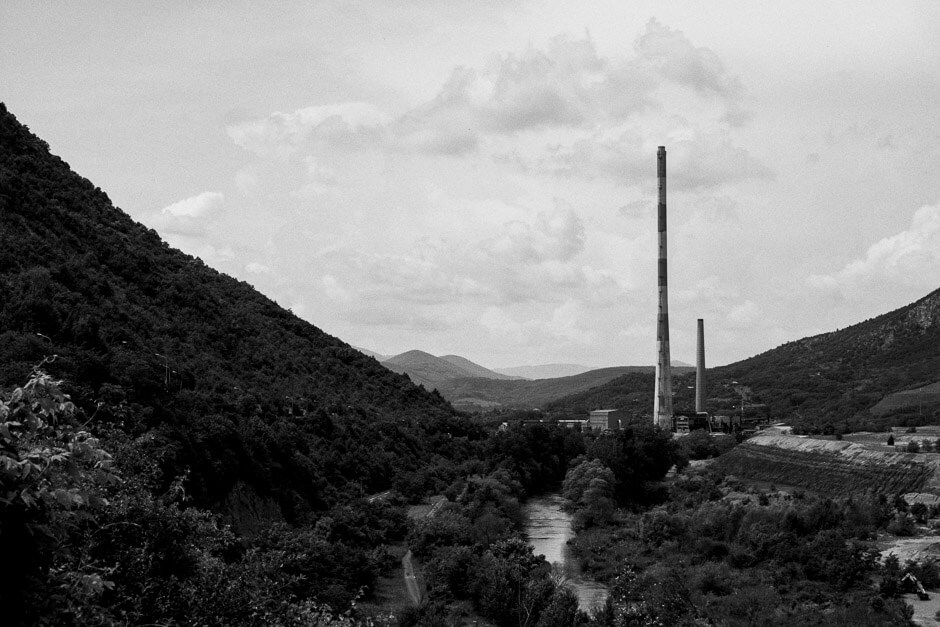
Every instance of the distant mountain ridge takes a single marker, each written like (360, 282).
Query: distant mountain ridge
(472, 387)
(545, 371)
(430, 371)
(474, 394)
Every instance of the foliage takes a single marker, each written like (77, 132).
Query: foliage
(638, 457)
(706, 556)
(84, 546)
(699, 444)
(589, 487)
(245, 395)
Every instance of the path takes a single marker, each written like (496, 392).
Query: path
(411, 582)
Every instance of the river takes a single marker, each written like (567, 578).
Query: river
(548, 529)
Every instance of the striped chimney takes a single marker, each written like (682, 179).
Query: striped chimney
(662, 404)
(700, 368)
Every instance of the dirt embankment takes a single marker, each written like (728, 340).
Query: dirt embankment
(832, 467)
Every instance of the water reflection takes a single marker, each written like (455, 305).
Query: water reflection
(548, 529)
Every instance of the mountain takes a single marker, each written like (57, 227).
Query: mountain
(430, 371)
(545, 371)
(267, 414)
(476, 393)
(372, 354)
(873, 374)
(475, 370)
(841, 375)
(554, 371)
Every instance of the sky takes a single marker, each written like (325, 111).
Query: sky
(478, 177)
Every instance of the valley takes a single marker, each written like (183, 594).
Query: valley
(179, 449)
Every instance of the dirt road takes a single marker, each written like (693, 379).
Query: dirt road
(411, 582)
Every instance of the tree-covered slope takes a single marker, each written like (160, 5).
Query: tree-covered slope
(521, 394)
(832, 379)
(839, 376)
(224, 381)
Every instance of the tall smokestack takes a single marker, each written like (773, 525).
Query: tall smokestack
(700, 368)
(662, 406)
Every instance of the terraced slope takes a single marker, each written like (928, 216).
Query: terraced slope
(832, 467)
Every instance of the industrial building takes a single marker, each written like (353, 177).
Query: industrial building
(606, 419)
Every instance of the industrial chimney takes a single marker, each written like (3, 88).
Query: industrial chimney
(700, 369)
(662, 404)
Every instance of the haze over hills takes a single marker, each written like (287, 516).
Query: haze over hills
(373, 354)
(475, 370)
(545, 371)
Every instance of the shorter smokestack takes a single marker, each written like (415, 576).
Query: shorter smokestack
(700, 368)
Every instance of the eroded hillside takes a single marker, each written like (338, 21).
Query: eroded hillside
(831, 467)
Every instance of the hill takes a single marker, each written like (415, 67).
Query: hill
(372, 354)
(430, 371)
(475, 370)
(265, 412)
(838, 378)
(545, 371)
(916, 399)
(871, 375)
(476, 393)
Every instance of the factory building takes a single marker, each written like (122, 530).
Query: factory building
(606, 419)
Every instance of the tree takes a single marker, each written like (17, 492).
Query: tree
(52, 474)
(579, 478)
(637, 456)
(891, 440)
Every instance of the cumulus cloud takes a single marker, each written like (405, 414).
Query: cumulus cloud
(563, 86)
(704, 160)
(282, 134)
(531, 261)
(189, 216)
(910, 258)
(381, 231)
(196, 206)
(554, 236)
(674, 56)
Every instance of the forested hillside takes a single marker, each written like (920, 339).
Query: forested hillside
(475, 393)
(826, 383)
(836, 378)
(265, 411)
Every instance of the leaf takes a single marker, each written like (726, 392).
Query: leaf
(64, 498)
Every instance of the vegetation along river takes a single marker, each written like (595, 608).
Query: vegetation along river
(548, 529)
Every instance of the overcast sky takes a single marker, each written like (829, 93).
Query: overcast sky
(479, 178)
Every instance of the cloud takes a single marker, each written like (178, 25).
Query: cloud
(567, 85)
(674, 57)
(189, 216)
(195, 206)
(282, 134)
(705, 160)
(555, 236)
(532, 262)
(909, 259)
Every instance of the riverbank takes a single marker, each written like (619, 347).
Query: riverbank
(548, 531)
